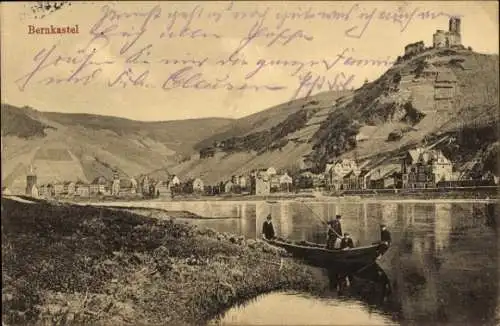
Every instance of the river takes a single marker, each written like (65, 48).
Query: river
(446, 271)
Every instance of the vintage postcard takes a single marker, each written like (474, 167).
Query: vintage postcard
(250, 163)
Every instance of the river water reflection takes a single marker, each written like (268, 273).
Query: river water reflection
(445, 268)
(301, 309)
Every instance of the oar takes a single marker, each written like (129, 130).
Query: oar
(316, 215)
(321, 220)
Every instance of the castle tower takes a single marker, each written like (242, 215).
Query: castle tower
(454, 25)
(31, 181)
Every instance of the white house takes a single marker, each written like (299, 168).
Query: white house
(198, 185)
(286, 182)
(34, 191)
(115, 187)
(175, 181)
(271, 171)
(262, 186)
(133, 186)
(69, 188)
(228, 187)
(243, 182)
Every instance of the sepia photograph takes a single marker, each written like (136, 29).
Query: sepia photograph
(250, 163)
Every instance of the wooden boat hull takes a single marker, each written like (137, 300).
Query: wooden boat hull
(321, 257)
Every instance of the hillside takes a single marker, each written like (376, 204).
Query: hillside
(81, 147)
(410, 104)
(278, 137)
(266, 119)
(441, 97)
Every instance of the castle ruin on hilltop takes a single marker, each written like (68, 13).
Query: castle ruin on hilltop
(443, 39)
(440, 39)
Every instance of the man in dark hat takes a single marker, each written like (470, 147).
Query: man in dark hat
(337, 226)
(385, 235)
(333, 232)
(268, 228)
(346, 242)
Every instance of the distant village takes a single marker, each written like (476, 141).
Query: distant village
(420, 168)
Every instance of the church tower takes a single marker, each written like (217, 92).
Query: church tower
(30, 181)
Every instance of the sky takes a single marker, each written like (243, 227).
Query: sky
(156, 61)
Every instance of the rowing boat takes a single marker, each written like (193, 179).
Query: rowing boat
(317, 255)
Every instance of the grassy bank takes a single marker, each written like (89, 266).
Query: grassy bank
(72, 264)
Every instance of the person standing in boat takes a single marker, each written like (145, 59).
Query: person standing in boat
(385, 235)
(346, 242)
(333, 232)
(268, 228)
(385, 238)
(330, 236)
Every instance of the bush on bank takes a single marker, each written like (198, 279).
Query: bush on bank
(70, 264)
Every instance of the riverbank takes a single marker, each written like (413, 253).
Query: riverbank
(429, 194)
(73, 264)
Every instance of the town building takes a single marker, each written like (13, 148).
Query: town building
(364, 179)
(385, 176)
(260, 184)
(59, 189)
(271, 171)
(69, 188)
(34, 191)
(99, 186)
(127, 186)
(82, 189)
(318, 180)
(175, 181)
(147, 186)
(423, 168)
(228, 186)
(134, 185)
(349, 181)
(243, 182)
(42, 190)
(46, 190)
(162, 189)
(286, 182)
(198, 185)
(335, 173)
(235, 179)
(115, 186)
(274, 182)
(450, 38)
(31, 180)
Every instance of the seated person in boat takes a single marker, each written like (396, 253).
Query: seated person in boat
(385, 235)
(346, 242)
(333, 232)
(268, 228)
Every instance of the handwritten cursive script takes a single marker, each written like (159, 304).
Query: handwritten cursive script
(193, 47)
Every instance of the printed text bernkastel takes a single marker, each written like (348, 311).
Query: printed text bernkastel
(53, 29)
